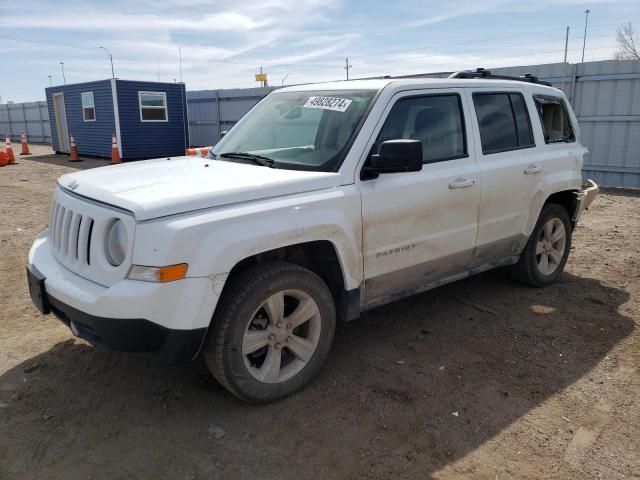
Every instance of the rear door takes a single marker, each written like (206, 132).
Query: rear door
(511, 168)
(420, 228)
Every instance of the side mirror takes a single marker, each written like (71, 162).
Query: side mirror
(223, 133)
(395, 156)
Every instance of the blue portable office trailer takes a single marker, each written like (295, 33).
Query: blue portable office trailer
(149, 119)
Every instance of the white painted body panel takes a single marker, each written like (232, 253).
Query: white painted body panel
(212, 217)
(184, 305)
(156, 188)
(413, 219)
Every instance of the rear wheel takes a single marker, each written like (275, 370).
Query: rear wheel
(271, 332)
(547, 250)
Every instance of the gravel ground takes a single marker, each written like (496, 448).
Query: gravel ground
(479, 379)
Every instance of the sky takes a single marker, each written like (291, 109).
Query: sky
(224, 43)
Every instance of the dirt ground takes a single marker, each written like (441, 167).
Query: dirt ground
(479, 379)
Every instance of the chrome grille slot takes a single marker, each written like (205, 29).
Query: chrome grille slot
(89, 234)
(66, 224)
(71, 234)
(59, 219)
(74, 231)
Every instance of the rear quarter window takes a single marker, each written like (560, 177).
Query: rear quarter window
(555, 121)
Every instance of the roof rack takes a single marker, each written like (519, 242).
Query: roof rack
(482, 73)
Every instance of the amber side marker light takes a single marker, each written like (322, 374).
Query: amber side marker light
(170, 273)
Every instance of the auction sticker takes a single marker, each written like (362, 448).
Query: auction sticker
(328, 103)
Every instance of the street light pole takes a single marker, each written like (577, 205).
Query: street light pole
(584, 40)
(50, 81)
(284, 78)
(64, 79)
(113, 75)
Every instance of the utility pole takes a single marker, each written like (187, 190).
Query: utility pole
(113, 75)
(180, 60)
(566, 45)
(347, 66)
(50, 81)
(584, 40)
(64, 79)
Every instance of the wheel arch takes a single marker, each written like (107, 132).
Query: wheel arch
(566, 199)
(322, 258)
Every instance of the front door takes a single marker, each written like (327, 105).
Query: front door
(419, 229)
(61, 122)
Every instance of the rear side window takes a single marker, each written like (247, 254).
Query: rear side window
(435, 120)
(504, 122)
(555, 120)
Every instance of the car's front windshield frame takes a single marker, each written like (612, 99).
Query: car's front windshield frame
(332, 164)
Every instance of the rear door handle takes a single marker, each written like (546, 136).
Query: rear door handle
(532, 169)
(462, 183)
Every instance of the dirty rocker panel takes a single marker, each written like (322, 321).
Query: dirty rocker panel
(426, 276)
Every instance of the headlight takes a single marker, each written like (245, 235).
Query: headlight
(117, 242)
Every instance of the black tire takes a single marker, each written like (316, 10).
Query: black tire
(242, 297)
(527, 270)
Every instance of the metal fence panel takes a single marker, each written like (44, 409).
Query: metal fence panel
(29, 117)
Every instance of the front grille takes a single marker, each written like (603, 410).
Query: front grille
(78, 229)
(71, 234)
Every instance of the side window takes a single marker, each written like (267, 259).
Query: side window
(435, 120)
(88, 107)
(153, 106)
(504, 122)
(555, 120)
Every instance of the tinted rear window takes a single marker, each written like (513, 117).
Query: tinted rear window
(503, 120)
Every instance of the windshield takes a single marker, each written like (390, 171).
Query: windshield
(297, 130)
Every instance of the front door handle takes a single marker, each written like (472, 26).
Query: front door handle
(462, 183)
(532, 169)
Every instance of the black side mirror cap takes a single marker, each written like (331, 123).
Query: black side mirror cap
(395, 156)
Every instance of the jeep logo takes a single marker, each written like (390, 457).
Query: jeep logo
(73, 185)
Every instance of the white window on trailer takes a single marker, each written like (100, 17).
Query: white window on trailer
(88, 107)
(153, 106)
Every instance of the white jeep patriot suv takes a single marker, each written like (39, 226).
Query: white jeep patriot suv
(323, 201)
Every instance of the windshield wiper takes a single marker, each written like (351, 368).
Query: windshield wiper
(259, 159)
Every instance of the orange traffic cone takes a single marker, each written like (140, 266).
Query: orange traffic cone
(25, 145)
(115, 153)
(4, 159)
(198, 152)
(73, 154)
(9, 151)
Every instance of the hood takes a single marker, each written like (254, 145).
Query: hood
(155, 188)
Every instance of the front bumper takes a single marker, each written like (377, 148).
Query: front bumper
(167, 320)
(584, 198)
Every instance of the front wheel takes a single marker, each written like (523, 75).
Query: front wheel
(547, 250)
(271, 332)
